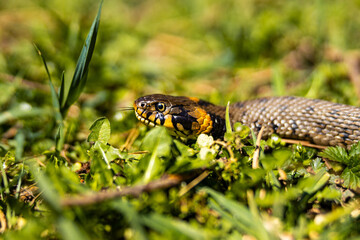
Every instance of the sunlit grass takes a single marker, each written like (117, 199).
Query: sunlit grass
(220, 51)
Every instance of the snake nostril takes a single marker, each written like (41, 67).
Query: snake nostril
(142, 104)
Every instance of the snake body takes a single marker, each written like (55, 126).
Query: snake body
(318, 121)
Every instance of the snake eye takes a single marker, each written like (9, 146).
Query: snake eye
(160, 106)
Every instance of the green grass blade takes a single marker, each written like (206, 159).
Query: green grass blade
(172, 227)
(60, 137)
(227, 119)
(81, 71)
(62, 89)
(18, 186)
(238, 215)
(4, 177)
(54, 96)
(20, 144)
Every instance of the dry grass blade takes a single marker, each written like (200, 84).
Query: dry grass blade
(193, 183)
(304, 143)
(255, 163)
(126, 109)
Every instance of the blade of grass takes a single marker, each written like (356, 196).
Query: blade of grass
(20, 143)
(227, 119)
(172, 227)
(54, 96)
(4, 177)
(78, 81)
(60, 137)
(237, 214)
(62, 88)
(18, 186)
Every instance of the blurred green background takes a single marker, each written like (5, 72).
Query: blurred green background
(217, 50)
(220, 51)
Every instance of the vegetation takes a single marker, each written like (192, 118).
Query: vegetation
(74, 166)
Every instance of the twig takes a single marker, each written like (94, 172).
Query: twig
(255, 163)
(193, 183)
(133, 134)
(166, 181)
(304, 143)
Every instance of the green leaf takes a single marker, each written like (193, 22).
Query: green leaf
(351, 177)
(158, 136)
(100, 167)
(337, 154)
(183, 149)
(329, 193)
(273, 180)
(354, 154)
(100, 131)
(315, 183)
(78, 81)
(154, 165)
(158, 142)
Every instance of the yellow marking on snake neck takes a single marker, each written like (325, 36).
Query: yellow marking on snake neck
(180, 127)
(195, 99)
(204, 122)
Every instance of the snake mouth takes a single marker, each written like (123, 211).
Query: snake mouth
(144, 120)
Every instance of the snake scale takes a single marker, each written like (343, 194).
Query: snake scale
(318, 121)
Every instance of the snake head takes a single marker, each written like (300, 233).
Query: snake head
(183, 116)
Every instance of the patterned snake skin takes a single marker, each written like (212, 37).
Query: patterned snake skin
(321, 122)
(318, 121)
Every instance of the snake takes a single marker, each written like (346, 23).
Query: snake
(317, 121)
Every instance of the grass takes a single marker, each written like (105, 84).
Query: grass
(69, 139)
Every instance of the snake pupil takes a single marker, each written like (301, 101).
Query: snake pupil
(160, 107)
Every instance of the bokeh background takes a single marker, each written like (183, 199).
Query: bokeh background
(220, 51)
